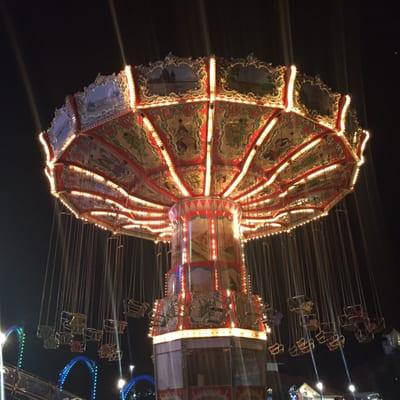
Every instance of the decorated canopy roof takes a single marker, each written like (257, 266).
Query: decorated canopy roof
(280, 144)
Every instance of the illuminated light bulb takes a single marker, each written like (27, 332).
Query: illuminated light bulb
(352, 388)
(320, 386)
(121, 383)
(131, 368)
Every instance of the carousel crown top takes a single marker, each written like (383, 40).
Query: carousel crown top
(279, 144)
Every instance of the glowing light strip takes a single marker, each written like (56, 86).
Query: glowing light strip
(354, 177)
(106, 213)
(131, 87)
(255, 227)
(343, 113)
(257, 203)
(113, 185)
(283, 194)
(250, 157)
(94, 197)
(134, 221)
(184, 248)
(166, 230)
(340, 130)
(322, 171)
(268, 220)
(290, 88)
(243, 268)
(66, 204)
(46, 148)
(171, 103)
(212, 76)
(213, 243)
(139, 212)
(114, 203)
(210, 125)
(165, 234)
(270, 181)
(242, 101)
(50, 177)
(302, 210)
(264, 220)
(204, 333)
(362, 147)
(167, 158)
(279, 170)
(305, 149)
(67, 143)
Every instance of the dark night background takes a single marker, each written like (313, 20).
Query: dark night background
(64, 44)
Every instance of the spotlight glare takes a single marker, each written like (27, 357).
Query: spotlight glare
(319, 386)
(131, 368)
(352, 388)
(121, 383)
(3, 338)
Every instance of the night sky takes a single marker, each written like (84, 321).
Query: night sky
(352, 45)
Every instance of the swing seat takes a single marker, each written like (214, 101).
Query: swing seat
(346, 324)
(376, 325)
(294, 351)
(276, 349)
(45, 331)
(136, 309)
(51, 343)
(355, 313)
(77, 323)
(106, 350)
(304, 345)
(93, 335)
(112, 325)
(335, 342)
(310, 322)
(77, 346)
(65, 338)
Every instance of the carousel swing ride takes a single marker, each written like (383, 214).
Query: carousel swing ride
(203, 157)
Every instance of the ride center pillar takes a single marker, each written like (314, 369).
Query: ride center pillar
(208, 333)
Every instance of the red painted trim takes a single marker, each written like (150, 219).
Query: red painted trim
(74, 106)
(139, 170)
(166, 145)
(271, 171)
(255, 135)
(118, 201)
(46, 138)
(65, 162)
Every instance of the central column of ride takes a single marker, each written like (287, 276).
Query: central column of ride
(208, 332)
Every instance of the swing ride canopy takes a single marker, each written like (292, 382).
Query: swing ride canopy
(279, 144)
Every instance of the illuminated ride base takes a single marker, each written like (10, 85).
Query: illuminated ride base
(205, 154)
